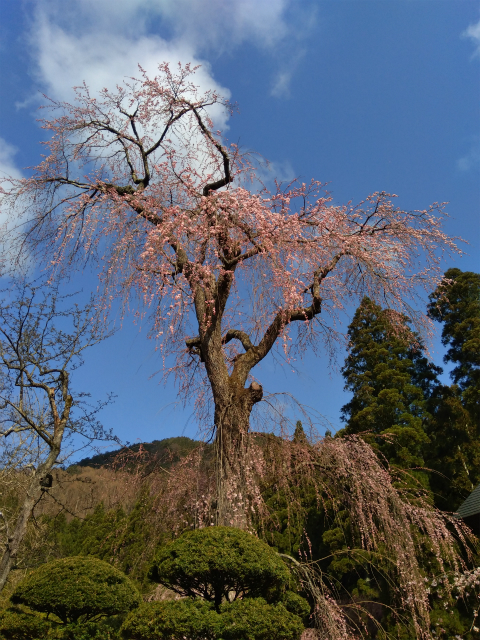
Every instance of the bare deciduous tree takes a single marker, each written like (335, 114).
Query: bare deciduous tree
(41, 342)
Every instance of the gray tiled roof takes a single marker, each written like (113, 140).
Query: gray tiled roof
(471, 506)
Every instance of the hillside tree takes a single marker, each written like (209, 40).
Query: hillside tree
(139, 182)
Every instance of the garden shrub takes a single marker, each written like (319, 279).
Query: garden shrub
(255, 619)
(296, 604)
(235, 584)
(17, 624)
(221, 563)
(77, 589)
(83, 631)
(249, 619)
(172, 619)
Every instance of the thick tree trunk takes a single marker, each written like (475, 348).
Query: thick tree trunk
(232, 464)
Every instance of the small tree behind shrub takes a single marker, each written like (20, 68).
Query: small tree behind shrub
(77, 589)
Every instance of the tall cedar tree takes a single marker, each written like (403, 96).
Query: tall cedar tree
(391, 381)
(455, 427)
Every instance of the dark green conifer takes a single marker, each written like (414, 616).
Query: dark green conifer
(299, 434)
(391, 380)
(456, 304)
(454, 429)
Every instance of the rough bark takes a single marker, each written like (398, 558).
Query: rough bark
(232, 455)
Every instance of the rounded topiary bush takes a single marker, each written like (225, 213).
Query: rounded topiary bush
(221, 563)
(16, 624)
(77, 589)
(255, 619)
(173, 619)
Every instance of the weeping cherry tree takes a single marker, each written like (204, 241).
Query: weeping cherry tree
(138, 182)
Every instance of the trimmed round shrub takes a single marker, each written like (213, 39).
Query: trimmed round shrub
(16, 624)
(172, 619)
(255, 619)
(77, 589)
(221, 563)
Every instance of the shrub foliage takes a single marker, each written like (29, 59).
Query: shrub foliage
(248, 619)
(77, 589)
(221, 563)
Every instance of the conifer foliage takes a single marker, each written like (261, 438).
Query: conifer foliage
(455, 427)
(456, 304)
(220, 563)
(77, 589)
(236, 587)
(391, 381)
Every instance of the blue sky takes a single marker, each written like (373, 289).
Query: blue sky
(366, 95)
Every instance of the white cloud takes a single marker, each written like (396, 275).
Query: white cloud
(220, 25)
(103, 57)
(8, 168)
(472, 158)
(103, 42)
(473, 32)
(283, 172)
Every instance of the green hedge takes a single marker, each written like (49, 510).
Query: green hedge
(249, 619)
(172, 619)
(17, 624)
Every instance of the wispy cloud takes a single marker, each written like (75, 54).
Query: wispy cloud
(283, 78)
(473, 32)
(220, 25)
(471, 160)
